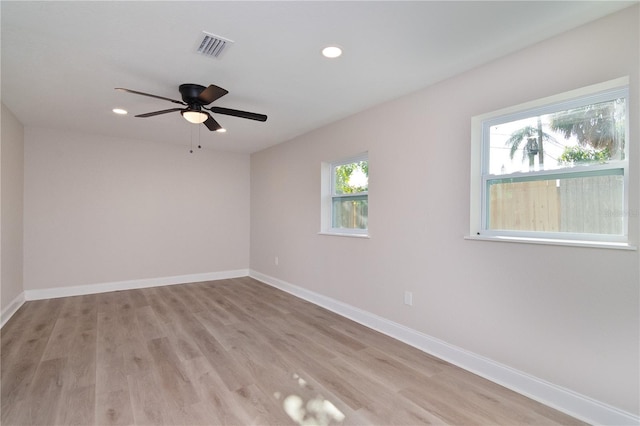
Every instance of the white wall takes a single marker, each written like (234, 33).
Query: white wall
(566, 315)
(12, 164)
(105, 210)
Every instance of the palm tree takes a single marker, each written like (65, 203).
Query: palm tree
(535, 137)
(600, 126)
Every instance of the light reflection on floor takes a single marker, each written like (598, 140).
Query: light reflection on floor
(315, 411)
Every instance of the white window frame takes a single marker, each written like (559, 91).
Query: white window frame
(328, 194)
(618, 88)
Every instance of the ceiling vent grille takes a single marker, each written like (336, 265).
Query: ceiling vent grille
(213, 45)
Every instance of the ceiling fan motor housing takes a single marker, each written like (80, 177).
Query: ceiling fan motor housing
(190, 93)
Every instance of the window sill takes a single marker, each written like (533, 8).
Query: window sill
(343, 234)
(554, 242)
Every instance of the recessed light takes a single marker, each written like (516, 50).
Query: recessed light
(331, 52)
(221, 130)
(120, 111)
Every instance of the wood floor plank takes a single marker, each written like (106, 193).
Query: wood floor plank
(107, 302)
(262, 408)
(389, 372)
(61, 337)
(316, 403)
(110, 372)
(77, 402)
(324, 373)
(114, 408)
(188, 297)
(148, 408)
(29, 337)
(174, 379)
(230, 352)
(223, 406)
(46, 391)
(206, 344)
(77, 406)
(81, 353)
(213, 302)
(409, 355)
(442, 396)
(176, 324)
(138, 298)
(149, 324)
(22, 346)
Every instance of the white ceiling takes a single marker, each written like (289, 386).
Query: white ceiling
(62, 60)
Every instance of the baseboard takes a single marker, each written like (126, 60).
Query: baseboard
(562, 399)
(11, 309)
(52, 293)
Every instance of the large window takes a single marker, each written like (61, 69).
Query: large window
(346, 196)
(555, 168)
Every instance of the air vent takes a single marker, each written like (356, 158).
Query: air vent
(213, 45)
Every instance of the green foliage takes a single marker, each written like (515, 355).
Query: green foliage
(343, 176)
(599, 126)
(579, 154)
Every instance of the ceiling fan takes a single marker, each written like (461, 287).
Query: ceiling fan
(195, 97)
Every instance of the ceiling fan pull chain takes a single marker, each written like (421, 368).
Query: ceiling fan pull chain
(191, 140)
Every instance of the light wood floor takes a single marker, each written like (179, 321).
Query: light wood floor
(230, 352)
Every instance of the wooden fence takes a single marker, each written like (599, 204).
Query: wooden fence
(588, 204)
(351, 213)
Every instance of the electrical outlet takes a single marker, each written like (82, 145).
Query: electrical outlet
(408, 298)
(276, 260)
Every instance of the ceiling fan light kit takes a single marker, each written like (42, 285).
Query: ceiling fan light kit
(195, 117)
(195, 98)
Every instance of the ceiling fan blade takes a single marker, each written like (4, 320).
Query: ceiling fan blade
(237, 113)
(212, 124)
(164, 111)
(211, 93)
(135, 92)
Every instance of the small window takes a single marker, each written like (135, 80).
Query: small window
(556, 168)
(347, 197)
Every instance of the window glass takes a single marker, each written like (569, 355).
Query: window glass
(349, 195)
(586, 135)
(557, 169)
(351, 178)
(351, 212)
(591, 203)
